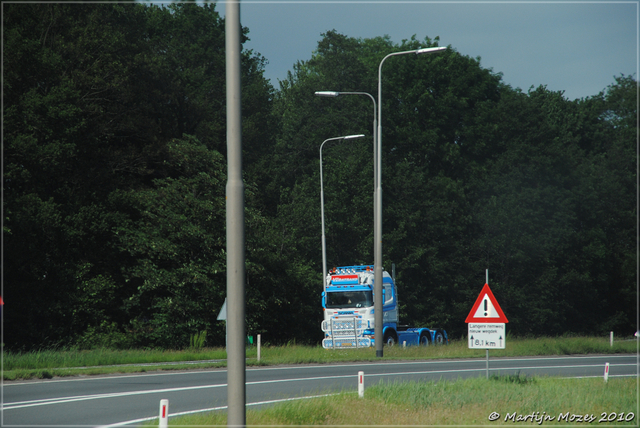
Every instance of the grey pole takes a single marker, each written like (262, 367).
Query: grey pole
(236, 390)
(375, 130)
(375, 126)
(377, 255)
(324, 243)
(377, 332)
(487, 278)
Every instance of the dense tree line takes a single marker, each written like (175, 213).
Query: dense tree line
(114, 178)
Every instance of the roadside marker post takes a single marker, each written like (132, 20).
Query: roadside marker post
(164, 414)
(361, 384)
(258, 347)
(606, 372)
(611, 339)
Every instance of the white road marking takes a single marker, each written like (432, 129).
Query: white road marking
(190, 412)
(297, 366)
(60, 400)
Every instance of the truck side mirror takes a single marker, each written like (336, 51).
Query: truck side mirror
(324, 300)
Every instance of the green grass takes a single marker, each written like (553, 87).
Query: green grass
(462, 402)
(103, 357)
(47, 364)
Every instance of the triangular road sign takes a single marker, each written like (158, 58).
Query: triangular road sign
(222, 316)
(486, 309)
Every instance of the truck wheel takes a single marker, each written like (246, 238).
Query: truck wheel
(424, 339)
(439, 340)
(390, 339)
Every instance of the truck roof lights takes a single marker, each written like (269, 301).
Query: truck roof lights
(352, 269)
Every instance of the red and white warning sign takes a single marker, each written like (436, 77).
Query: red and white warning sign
(486, 322)
(486, 309)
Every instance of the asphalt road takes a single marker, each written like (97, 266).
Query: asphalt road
(130, 399)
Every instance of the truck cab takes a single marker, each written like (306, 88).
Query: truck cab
(348, 303)
(348, 310)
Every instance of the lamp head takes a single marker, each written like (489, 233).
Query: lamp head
(327, 93)
(430, 50)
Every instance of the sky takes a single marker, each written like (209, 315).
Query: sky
(575, 47)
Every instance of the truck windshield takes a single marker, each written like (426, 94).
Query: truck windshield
(350, 299)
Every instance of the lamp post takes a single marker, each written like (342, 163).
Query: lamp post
(236, 260)
(375, 129)
(324, 243)
(375, 126)
(377, 253)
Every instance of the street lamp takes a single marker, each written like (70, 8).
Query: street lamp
(324, 244)
(375, 128)
(377, 253)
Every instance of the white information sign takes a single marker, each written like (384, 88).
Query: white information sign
(487, 336)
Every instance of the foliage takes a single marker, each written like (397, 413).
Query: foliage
(198, 340)
(114, 170)
(476, 175)
(114, 179)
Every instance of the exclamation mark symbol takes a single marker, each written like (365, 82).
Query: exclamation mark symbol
(485, 307)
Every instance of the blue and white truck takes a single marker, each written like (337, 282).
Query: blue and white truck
(349, 322)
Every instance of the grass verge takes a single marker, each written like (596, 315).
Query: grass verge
(475, 401)
(47, 364)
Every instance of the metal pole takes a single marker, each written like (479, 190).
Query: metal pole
(375, 131)
(377, 258)
(377, 223)
(236, 390)
(487, 278)
(355, 331)
(377, 281)
(333, 336)
(324, 243)
(487, 364)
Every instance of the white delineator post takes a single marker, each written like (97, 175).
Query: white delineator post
(361, 384)
(164, 414)
(258, 347)
(611, 339)
(606, 372)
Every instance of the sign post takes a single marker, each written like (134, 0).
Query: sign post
(486, 323)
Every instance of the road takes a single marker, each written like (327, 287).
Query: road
(121, 399)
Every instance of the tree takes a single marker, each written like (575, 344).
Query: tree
(551, 204)
(110, 109)
(65, 75)
(114, 146)
(476, 175)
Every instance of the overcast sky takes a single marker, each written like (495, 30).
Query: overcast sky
(576, 47)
